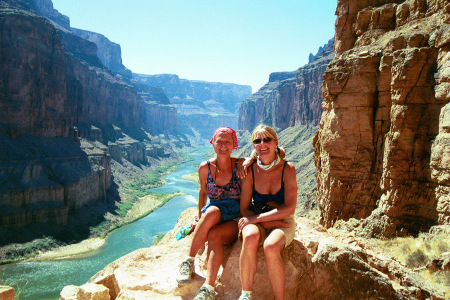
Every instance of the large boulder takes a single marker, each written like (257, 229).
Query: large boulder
(318, 265)
(6, 292)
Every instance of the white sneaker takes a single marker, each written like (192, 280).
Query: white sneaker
(185, 273)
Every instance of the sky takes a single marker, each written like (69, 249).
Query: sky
(233, 41)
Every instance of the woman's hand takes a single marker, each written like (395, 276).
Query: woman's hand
(242, 168)
(275, 224)
(244, 221)
(193, 224)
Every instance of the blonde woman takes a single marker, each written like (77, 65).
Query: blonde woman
(268, 201)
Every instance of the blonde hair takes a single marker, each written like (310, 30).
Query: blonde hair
(266, 131)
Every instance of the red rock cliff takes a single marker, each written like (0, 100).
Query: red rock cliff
(45, 89)
(289, 98)
(383, 145)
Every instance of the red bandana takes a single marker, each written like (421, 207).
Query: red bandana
(227, 130)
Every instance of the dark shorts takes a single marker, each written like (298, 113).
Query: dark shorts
(229, 209)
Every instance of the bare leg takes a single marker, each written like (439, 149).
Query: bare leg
(248, 259)
(218, 236)
(209, 219)
(273, 246)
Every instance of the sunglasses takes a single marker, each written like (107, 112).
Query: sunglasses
(265, 140)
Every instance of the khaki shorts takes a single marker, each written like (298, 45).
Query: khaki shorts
(289, 232)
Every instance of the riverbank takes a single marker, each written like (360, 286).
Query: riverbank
(140, 209)
(88, 229)
(45, 279)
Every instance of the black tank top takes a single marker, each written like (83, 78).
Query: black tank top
(278, 197)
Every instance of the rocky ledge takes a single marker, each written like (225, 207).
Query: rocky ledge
(318, 264)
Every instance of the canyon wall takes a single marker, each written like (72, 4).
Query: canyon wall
(109, 53)
(159, 114)
(382, 151)
(43, 178)
(45, 90)
(61, 118)
(289, 98)
(44, 94)
(98, 50)
(201, 106)
(46, 9)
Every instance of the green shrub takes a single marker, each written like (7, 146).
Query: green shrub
(158, 239)
(16, 251)
(100, 230)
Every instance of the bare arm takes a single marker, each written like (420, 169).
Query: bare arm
(202, 194)
(281, 212)
(243, 164)
(246, 195)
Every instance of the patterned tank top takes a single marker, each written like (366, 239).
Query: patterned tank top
(232, 190)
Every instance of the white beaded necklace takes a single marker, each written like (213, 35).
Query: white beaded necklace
(269, 166)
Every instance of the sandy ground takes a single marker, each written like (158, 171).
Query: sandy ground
(193, 177)
(81, 248)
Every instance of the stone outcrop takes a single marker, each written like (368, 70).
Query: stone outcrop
(6, 293)
(46, 9)
(43, 179)
(86, 292)
(119, 145)
(160, 114)
(109, 53)
(201, 106)
(318, 265)
(382, 151)
(289, 98)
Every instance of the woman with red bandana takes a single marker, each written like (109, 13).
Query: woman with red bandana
(217, 223)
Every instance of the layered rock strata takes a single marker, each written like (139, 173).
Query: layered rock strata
(201, 106)
(56, 102)
(382, 148)
(109, 53)
(318, 265)
(229, 95)
(97, 50)
(45, 178)
(45, 90)
(160, 113)
(289, 98)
